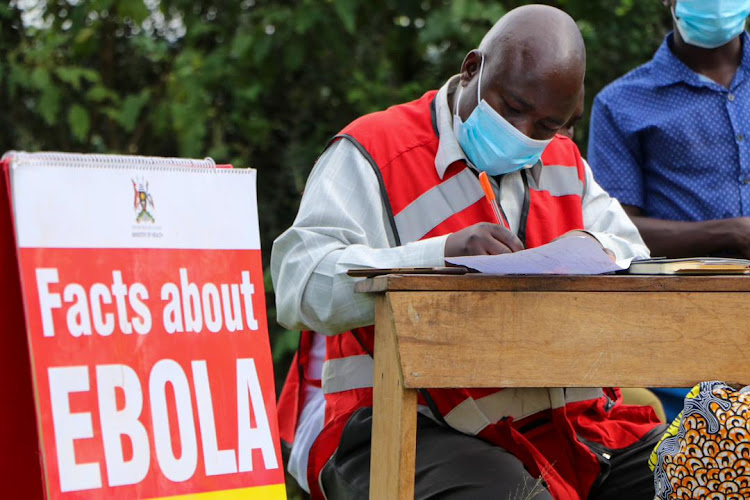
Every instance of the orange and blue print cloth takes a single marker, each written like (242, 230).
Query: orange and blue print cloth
(705, 453)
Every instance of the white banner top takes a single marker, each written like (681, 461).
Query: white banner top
(68, 200)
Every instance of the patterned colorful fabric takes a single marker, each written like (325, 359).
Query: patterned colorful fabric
(705, 453)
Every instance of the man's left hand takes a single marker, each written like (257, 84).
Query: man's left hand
(578, 232)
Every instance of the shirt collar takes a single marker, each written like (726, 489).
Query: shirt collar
(671, 70)
(449, 150)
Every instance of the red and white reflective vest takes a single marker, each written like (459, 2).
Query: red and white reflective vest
(545, 428)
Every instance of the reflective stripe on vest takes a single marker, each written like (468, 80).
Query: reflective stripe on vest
(560, 181)
(463, 190)
(434, 206)
(346, 374)
(473, 415)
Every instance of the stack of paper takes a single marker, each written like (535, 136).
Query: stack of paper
(571, 255)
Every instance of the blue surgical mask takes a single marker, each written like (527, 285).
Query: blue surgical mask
(492, 144)
(710, 23)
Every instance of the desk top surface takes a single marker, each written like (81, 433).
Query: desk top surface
(556, 283)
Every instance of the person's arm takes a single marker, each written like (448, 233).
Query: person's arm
(615, 155)
(341, 224)
(605, 219)
(615, 152)
(690, 239)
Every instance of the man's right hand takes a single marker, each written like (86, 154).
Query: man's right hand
(741, 235)
(483, 238)
(675, 239)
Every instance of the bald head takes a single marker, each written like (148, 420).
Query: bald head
(540, 37)
(534, 65)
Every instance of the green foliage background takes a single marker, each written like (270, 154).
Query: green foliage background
(256, 83)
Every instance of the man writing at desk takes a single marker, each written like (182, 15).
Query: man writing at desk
(399, 188)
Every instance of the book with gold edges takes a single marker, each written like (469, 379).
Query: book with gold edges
(693, 265)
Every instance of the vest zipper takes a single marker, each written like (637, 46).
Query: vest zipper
(525, 207)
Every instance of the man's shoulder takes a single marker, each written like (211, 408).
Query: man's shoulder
(397, 129)
(562, 142)
(639, 81)
(561, 150)
(418, 109)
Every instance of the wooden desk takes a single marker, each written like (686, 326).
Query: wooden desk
(585, 331)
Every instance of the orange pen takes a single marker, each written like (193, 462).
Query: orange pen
(489, 193)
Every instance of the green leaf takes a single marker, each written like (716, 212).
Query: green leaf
(90, 75)
(294, 56)
(84, 35)
(241, 44)
(100, 93)
(131, 109)
(191, 139)
(111, 113)
(78, 119)
(133, 9)
(261, 48)
(202, 30)
(69, 75)
(347, 11)
(250, 92)
(100, 5)
(49, 105)
(40, 78)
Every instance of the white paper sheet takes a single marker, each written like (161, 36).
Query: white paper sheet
(571, 255)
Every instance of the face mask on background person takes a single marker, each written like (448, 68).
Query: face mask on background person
(710, 23)
(491, 143)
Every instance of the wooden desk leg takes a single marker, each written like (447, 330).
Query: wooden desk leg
(394, 423)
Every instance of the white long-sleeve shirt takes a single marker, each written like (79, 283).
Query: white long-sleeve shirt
(342, 224)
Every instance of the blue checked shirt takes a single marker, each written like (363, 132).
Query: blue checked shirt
(673, 142)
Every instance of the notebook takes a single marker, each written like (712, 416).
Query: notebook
(693, 265)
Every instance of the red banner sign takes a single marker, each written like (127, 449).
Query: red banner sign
(151, 366)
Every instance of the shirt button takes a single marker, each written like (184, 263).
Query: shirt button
(731, 97)
(746, 180)
(740, 137)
